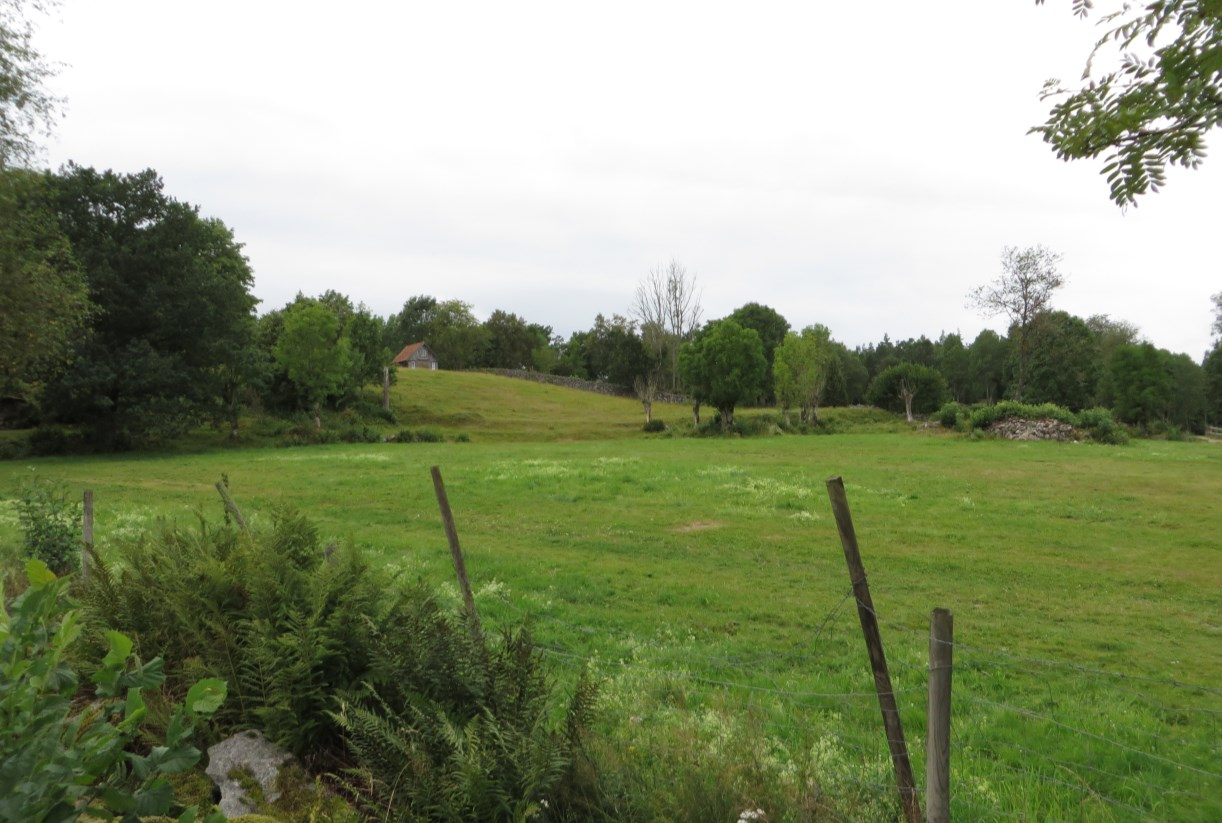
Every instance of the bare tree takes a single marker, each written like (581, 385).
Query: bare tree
(646, 388)
(667, 306)
(1021, 292)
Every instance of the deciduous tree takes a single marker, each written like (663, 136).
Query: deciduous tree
(1158, 95)
(723, 366)
(26, 107)
(667, 307)
(804, 366)
(772, 328)
(44, 301)
(908, 386)
(1021, 292)
(172, 291)
(313, 354)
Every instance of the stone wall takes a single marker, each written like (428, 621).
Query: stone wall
(596, 386)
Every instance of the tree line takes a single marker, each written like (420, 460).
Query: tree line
(129, 317)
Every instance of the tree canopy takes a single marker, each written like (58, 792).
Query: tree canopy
(173, 308)
(1153, 105)
(723, 365)
(26, 107)
(1021, 292)
(44, 302)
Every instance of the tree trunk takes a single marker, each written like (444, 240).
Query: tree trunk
(317, 417)
(727, 418)
(908, 405)
(648, 410)
(696, 413)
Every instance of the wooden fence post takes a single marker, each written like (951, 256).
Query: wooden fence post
(222, 486)
(86, 532)
(904, 780)
(385, 388)
(937, 755)
(460, 568)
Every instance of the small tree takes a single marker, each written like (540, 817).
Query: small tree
(312, 354)
(802, 368)
(910, 386)
(646, 388)
(1022, 291)
(668, 309)
(723, 366)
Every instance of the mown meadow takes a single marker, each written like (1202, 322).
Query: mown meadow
(702, 580)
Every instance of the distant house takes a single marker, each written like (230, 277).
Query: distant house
(415, 356)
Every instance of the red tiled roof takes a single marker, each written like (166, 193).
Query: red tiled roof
(406, 354)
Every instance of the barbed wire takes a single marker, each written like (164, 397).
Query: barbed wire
(1092, 735)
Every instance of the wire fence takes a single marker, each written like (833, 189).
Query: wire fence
(1033, 738)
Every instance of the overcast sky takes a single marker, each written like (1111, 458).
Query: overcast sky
(856, 165)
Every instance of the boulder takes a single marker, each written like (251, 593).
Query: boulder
(245, 768)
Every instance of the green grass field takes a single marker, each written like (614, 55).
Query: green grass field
(704, 579)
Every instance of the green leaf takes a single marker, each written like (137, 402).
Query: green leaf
(120, 650)
(38, 573)
(179, 759)
(206, 696)
(155, 799)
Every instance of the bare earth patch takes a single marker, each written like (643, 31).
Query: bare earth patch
(697, 526)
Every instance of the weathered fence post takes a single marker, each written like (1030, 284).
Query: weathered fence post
(904, 780)
(937, 755)
(460, 568)
(222, 486)
(385, 388)
(86, 532)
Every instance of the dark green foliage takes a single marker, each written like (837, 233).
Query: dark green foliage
(1064, 362)
(1096, 423)
(154, 362)
(51, 526)
(908, 387)
(953, 415)
(654, 426)
(771, 327)
(52, 440)
(723, 366)
(1101, 428)
(986, 416)
(44, 302)
(611, 350)
(334, 660)
(498, 754)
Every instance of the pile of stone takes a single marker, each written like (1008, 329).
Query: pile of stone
(1019, 428)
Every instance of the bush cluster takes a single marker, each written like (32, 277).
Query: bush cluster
(51, 525)
(1097, 423)
(59, 761)
(339, 665)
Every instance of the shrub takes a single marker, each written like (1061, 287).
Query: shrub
(50, 525)
(653, 426)
(60, 763)
(14, 449)
(462, 437)
(405, 436)
(952, 415)
(1101, 427)
(986, 416)
(428, 436)
(49, 441)
(333, 660)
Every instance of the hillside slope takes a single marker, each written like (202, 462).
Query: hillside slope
(489, 407)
